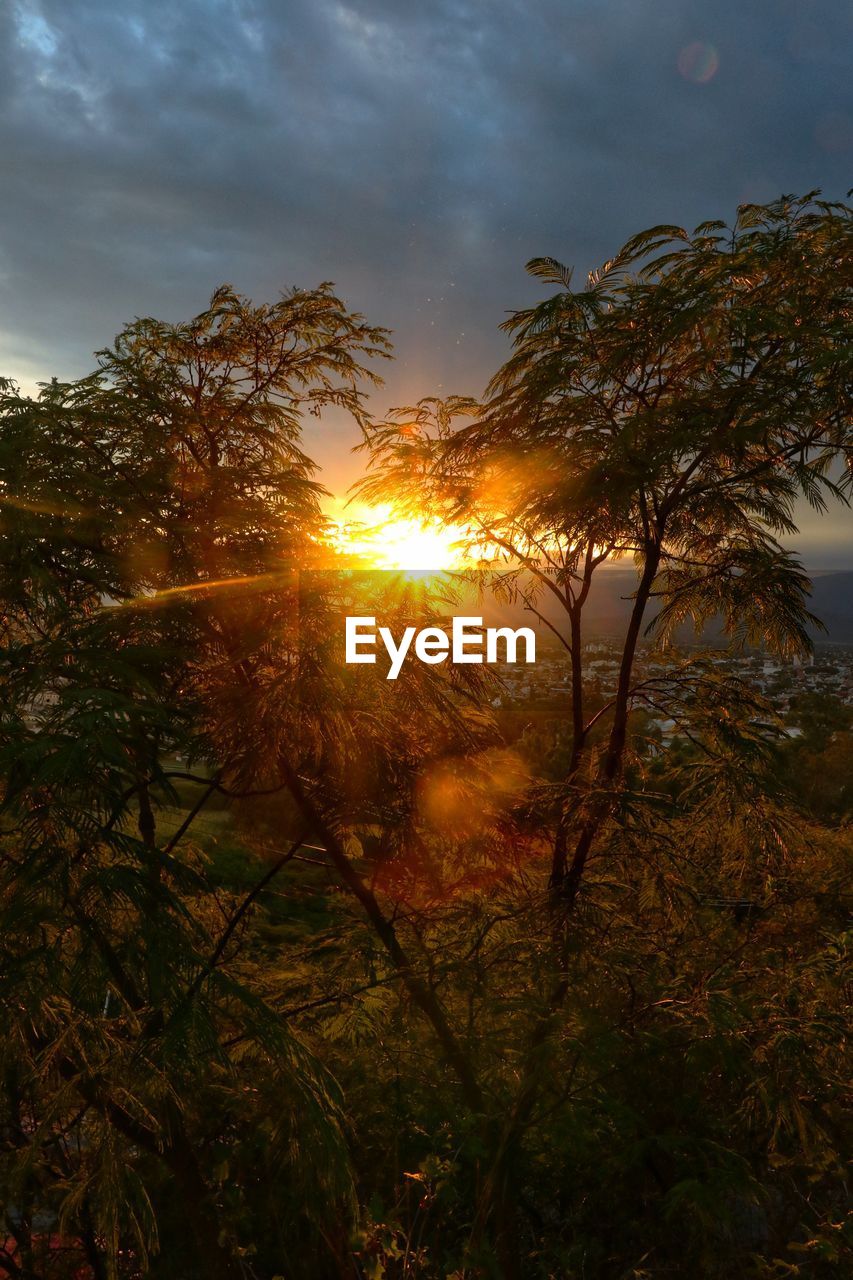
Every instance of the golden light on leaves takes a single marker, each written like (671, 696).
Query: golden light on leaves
(65, 511)
(252, 582)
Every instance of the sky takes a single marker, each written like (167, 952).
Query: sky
(415, 152)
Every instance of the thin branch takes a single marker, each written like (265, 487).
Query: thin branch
(193, 814)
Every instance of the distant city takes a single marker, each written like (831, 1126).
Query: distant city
(544, 687)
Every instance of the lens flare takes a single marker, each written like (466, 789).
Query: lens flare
(461, 799)
(698, 62)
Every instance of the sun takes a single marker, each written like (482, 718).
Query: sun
(384, 540)
(410, 544)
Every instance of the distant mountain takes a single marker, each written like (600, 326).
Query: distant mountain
(610, 600)
(832, 602)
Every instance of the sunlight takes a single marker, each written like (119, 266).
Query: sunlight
(387, 541)
(411, 545)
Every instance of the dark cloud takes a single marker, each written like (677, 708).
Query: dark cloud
(417, 152)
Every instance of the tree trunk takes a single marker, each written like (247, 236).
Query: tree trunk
(216, 1261)
(611, 765)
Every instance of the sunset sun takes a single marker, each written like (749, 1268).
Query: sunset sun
(385, 540)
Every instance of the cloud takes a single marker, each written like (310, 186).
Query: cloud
(417, 154)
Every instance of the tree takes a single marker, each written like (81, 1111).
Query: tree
(153, 517)
(674, 411)
(193, 636)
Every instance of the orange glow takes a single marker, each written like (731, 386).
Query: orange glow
(461, 799)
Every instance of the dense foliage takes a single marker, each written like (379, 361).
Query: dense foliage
(306, 973)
